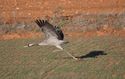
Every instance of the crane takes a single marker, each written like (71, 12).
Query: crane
(53, 36)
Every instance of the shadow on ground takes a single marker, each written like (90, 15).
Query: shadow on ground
(92, 54)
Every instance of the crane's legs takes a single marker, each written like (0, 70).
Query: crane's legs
(67, 52)
(58, 46)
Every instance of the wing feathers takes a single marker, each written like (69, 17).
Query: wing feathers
(49, 29)
(41, 22)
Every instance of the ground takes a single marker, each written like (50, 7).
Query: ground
(27, 10)
(95, 30)
(102, 57)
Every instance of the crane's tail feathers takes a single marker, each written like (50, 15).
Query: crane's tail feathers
(40, 23)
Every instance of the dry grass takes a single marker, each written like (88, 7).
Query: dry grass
(17, 62)
(92, 25)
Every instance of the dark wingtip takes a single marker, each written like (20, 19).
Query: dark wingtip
(40, 22)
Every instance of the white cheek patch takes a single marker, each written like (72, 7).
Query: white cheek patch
(29, 45)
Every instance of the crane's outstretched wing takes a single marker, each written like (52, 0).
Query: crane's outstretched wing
(49, 30)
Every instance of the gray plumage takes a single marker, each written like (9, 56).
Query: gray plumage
(53, 36)
(49, 30)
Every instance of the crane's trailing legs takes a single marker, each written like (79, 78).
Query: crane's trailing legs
(58, 46)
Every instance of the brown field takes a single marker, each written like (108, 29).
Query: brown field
(95, 30)
(74, 35)
(27, 10)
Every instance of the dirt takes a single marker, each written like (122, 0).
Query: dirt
(19, 35)
(73, 35)
(27, 10)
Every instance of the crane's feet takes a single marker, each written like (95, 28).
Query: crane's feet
(75, 58)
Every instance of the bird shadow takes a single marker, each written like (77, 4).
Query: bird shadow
(92, 54)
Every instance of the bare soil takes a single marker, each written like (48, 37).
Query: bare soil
(73, 35)
(27, 10)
